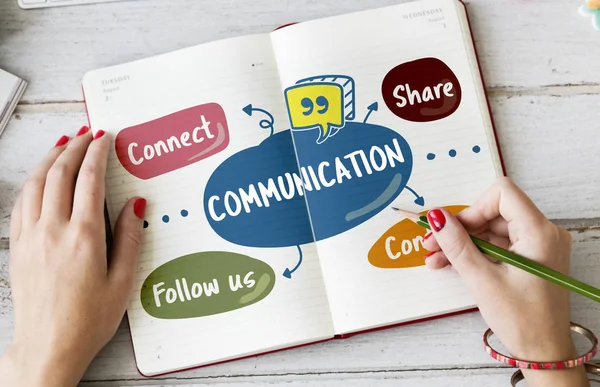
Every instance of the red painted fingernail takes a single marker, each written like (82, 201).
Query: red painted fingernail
(427, 235)
(99, 134)
(62, 141)
(83, 130)
(139, 208)
(437, 220)
(430, 254)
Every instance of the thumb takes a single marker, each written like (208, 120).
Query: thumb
(127, 244)
(458, 247)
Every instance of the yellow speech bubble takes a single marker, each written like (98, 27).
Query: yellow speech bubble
(316, 105)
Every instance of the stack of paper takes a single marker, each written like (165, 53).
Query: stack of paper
(11, 90)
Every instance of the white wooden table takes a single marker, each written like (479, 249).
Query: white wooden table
(541, 61)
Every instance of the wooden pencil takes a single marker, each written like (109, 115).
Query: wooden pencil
(516, 260)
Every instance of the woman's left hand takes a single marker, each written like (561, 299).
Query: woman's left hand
(68, 299)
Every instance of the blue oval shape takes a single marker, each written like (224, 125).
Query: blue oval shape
(369, 165)
(256, 197)
(273, 223)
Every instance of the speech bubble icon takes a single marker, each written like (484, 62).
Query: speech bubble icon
(317, 105)
(401, 246)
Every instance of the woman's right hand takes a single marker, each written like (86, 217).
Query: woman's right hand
(530, 316)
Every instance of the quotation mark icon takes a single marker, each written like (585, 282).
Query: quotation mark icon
(310, 106)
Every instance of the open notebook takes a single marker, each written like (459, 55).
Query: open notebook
(249, 150)
(11, 90)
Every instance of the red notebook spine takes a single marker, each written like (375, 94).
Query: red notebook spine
(285, 25)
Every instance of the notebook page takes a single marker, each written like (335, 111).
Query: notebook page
(366, 145)
(196, 211)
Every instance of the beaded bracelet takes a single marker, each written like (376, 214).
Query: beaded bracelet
(592, 369)
(545, 365)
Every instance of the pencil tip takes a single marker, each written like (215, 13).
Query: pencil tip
(410, 215)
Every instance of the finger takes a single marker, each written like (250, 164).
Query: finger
(88, 201)
(436, 261)
(15, 221)
(458, 247)
(442, 260)
(495, 239)
(32, 194)
(504, 199)
(127, 243)
(430, 243)
(60, 183)
(490, 237)
(497, 226)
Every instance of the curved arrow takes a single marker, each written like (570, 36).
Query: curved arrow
(266, 123)
(287, 273)
(420, 199)
(372, 108)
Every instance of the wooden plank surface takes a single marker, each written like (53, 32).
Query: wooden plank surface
(443, 344)
(522, 44)
(446, 378)
(538, 60)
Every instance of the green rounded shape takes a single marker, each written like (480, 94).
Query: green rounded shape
(204, 284)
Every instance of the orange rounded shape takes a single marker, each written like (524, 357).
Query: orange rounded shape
(401, 246)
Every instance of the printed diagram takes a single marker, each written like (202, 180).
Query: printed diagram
(370, 165)
(346, 170)
(401, 246)
(172, 142)
(323, 102)
(204, 284)
(327, 174)
(423, 90)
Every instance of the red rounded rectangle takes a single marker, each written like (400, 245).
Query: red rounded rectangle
(171, 142)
